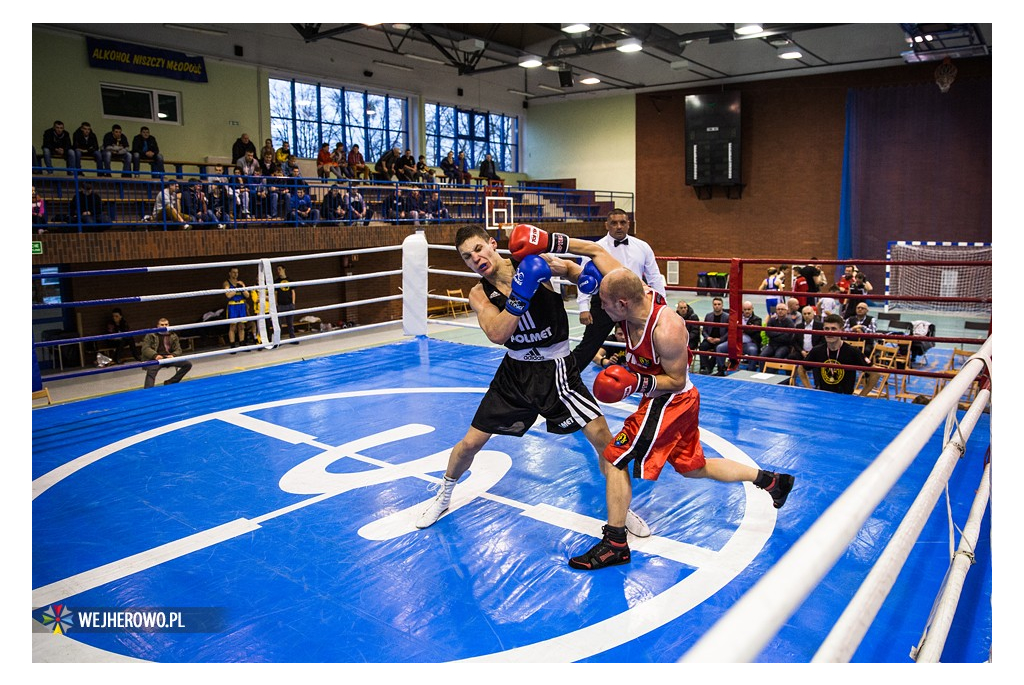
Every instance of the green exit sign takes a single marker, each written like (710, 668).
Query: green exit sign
(37, 247)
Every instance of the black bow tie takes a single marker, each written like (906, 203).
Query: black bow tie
(624, 241)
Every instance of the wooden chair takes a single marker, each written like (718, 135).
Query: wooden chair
(956, 361)
(455, 308)
(855, 342)
(43, 394)
(884, 357)
(775, 367)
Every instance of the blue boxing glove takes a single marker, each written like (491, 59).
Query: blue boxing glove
(589, 280)
(531, 272)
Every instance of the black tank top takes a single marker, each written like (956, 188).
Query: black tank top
(544, 324)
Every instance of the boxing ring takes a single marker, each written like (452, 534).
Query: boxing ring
(277, 525)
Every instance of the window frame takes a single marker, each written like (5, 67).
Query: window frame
(464, 135)
(154, 100)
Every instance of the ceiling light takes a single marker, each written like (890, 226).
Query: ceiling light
(551, 88)
(789, 52)
(530, 61)
(747, 29)
(421, 58)
(400, 67)
(575, 28)
(629, 45)
(401, 27)
(472, 45)
(590, 80)
(519, 92)
(679, 65)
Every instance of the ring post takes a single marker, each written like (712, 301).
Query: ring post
(414, 284)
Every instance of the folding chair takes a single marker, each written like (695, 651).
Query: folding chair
(455, 308)
(775, 367)
(883, 356)
(956, 361)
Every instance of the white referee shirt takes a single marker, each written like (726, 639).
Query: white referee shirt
(635, 255)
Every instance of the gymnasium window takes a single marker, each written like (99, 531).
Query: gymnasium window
(140, 104)
(308, 114)
(472, 132)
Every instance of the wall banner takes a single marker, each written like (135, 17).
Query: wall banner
(139, 59)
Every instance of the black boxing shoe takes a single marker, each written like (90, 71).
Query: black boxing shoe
(779, 488)
(605, 553)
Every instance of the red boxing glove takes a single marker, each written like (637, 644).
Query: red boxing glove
(616, 383)
(526, 240)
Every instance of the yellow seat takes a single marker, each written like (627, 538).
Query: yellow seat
(775, 367)
(455, 308)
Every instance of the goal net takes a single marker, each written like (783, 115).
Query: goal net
(964, 281)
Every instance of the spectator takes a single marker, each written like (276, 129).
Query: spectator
(267, 163)
(38, 211)
(57, 143)
(247, 164)
(405, 167)
(612, 355)
(198, 206)
(750, 346)
(325, 165)
(808, 281)
(302, 210)
(86, 143)
(268, 146)
(417, 206)
(145, 149)
(830, 304)
(242, 145)
(295, 181)
(835, 351)
(686, 311)
(292, 166)
(240, 196)
(462, 169)
(773, 281)
(282, 155)
(165, 345)
(385, 167)
(166, 206)
(340, 157)
(357, 209)
(115, 145)
(713, 335)
(424, 174)
(278, 186)
(448, 168)
(793, 307)
(803, 344)
(335, 205)
(89, 206)
(436, 208)
(860, 286)
(357, 164)
(862, 322)
(286, 303)
(778, 343)
(217, 203)
(488, 170)
(264, 197)
(118, 324)
(396, 206)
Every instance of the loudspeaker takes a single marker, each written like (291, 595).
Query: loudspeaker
(238, 51)
(460, 92)
(565, 79)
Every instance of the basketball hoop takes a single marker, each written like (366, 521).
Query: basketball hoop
(945, 73)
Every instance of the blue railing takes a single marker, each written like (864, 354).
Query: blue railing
(226, 200)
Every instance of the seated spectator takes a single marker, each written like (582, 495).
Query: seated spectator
(115, 146)
(325, 165)
(794, 307)
(340, 157)
(118, 324)
(264, 198)
(279, 186)
(296, 181)
(302, 210)
(405, 167)
(57, 144)
(242, 145)
(713, 335)
(86, 143)
(38, 211)
(218, 204)
(163, 346)
(750, 346)
(240, 196)
(268, 146)
(686, 311)
(488, 169)
(779, 343)
(834, 350)
(384, 170)
(145, 149)
(247, 164)
(292, 166)
(396, 206)
(862, 322)
(335, 205)
(357, 209)
(166, 206)
(612, 355)
(448, 168)
(282, 155)
(197, 205)
(88, 206)
(267, 164)
(436, 208)
(424, 174)
(357, 164)
(803, 343)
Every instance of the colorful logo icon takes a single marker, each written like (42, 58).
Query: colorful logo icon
(60, 617)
